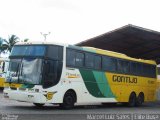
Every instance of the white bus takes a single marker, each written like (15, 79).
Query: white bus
(66, 74)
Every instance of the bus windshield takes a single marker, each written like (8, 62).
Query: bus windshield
(28, 50)
(26, 71)
(30, 63)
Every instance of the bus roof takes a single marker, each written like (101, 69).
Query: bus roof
(40, 42)
(119, 55)
(91, 49)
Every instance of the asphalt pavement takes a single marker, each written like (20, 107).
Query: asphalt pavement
(14, 110)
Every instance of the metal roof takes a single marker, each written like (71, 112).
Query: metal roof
(131, 40)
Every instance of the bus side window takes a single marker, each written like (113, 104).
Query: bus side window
(120, 66)
(70, 58)
(97, 62)
(109, 63)
(139, 69)
(153, 71)
(146, 70)
(79, 59)
(89, 60)
(133, 68)
(126, 67)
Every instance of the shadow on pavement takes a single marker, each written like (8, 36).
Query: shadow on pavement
(79, 107)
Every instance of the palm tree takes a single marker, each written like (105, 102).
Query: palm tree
(25, 40)
(1, 48)
(13, 39)
(1, 42)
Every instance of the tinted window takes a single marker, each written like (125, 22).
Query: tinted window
(55, 52)
(52, 72)
(153, 71)
(79, 59)
(126, 67)
(139, 69)
(109, 63)
(123, 66)
(146, 70)
(70, 57)
(89, 60)
(133, 68)
(28, 50)
(97, 62)
(119, 66)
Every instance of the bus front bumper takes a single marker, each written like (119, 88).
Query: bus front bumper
(24, 96)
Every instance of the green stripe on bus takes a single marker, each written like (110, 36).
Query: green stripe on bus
(107, 91)
(103, 84)
(91, 83)
(99, 81)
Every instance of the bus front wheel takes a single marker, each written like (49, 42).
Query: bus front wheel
(68, 100)
(38, 104)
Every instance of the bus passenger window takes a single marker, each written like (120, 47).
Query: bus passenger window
(120, 66)
(97, 62)
(79, 59)
(70, 58)
(139, 69)
(109, 64)
(133, 68)
(89, 60)
(153, 71)
(126, 67)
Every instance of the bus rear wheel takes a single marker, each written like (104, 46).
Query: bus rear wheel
(132, 100)
(68, 100)
(140, 99)
(38, 104)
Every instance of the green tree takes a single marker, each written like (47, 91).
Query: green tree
(1, 45)
(8, 44)
(25, 40)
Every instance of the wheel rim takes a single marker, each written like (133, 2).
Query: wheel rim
(132, 100)
(69, 100)
(140, 99)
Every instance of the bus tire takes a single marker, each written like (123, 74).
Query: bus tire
(132, 100)
(68, 100)
(140, 99)
(38, 104)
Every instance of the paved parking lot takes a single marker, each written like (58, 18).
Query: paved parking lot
(49, 111)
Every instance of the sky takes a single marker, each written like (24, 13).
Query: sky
(72, 21)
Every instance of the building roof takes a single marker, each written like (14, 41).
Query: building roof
(131, 40)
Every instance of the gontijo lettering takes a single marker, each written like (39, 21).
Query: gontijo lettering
(124, 79)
